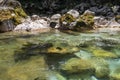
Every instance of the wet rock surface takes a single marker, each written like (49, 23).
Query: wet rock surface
(11, 14)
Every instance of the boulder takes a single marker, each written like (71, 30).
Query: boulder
(54, 21)
(74, 13)
(66, 20)
(71, 22)
(102, 22)
(6, 25)
(76, 65)
(11, 14)
(33, 24)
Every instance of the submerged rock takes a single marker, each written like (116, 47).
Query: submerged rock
(101, 66)
(114, 69)
(55, 76)
(102, 53)
(76, 65)
(32, 69)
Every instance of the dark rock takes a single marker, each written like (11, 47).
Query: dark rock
(82, 7)
(102, 10)
(6, 25)
(53, 24)
(50, 7)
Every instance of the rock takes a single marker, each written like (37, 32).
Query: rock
(74, 13)
(88, 12)
(114, 69)
(83, 54)
(35, 17)
(101, 22)
(66, 20)
(55, 76)
(117, 18)
(10, 3)
(76, 65)
(101, 67)
(115, 8)
(32, 69)
(83, 22)
(6, 25)
(34, 24)
(102, 53)
(88, 18)
(102, 10)
(54, 21)
(56, 17)
(11, 14)
(82, 7)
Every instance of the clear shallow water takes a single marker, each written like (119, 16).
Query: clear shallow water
(59, 55)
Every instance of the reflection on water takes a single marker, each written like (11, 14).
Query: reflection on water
(60, 56)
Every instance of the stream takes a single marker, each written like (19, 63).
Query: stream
(60, 55)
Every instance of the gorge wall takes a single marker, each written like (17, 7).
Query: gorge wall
(49, 7)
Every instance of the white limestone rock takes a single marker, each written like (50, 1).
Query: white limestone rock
(33, 24)
(74, 13)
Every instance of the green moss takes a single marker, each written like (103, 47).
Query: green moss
(16, 14)
(5, 14)
(101, 67)
(19, 14)
(117, 17)
(67, 18)
(87, 19)
(97, 52)
(75, 65)
(28, 70)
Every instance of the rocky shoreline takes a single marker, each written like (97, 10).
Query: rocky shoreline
(15, 19)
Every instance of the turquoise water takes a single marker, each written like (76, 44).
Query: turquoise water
(59, 55)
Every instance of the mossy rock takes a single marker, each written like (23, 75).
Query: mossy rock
(5, 14)
(66, 20)
(76, 65)
(85, 21)
(117, 17)
(19, 15)
(33, 69)
(115, 72)
(62, 50)
(101, 67)
(60, 47)
(98, 52)
(16, 14)
(115, 76)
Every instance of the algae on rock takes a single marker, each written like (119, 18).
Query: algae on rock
(32, 69)
(76, 65)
